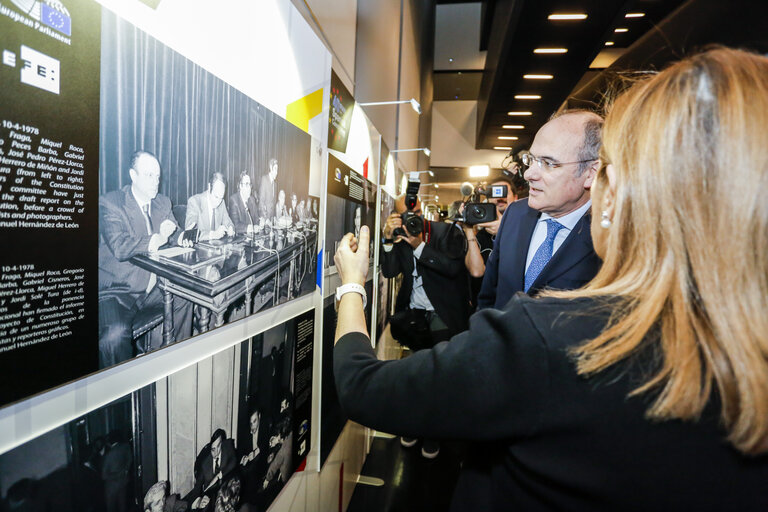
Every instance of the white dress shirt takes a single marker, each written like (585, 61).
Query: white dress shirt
(568, 221)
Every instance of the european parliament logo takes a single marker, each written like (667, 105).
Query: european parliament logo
(56, 19)
(50, 13)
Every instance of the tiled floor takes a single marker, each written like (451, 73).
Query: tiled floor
(411, 482)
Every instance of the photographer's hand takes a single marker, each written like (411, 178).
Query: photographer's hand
(491, 227)
(393, 221)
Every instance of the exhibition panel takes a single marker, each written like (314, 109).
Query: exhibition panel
(230, 429)
(199, 213)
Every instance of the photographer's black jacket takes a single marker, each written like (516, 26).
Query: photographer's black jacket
(442, 269)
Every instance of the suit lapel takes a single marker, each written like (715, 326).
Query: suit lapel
(576, 247)
(135, 216)
(525, 230)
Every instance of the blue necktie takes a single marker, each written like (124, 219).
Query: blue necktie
(543, 253)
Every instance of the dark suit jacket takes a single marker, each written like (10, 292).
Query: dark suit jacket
(204, 465)
(122, 235)
(443, 273)
(239, 215)
(572, 266)
(555, 440)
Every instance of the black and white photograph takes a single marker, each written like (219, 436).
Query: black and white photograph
(351, 204)
(222, 435)
(204, 209)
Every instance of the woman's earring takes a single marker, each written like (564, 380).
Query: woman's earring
(605, 222)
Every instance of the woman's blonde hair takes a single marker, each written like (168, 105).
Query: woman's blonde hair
(687, 253)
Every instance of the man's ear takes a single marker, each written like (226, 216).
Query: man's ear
(591, 171)
(133, 174)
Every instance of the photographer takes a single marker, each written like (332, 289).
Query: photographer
(433, 296)
(480, 236)
(433, 302)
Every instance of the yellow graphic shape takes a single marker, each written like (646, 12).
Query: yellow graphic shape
(302, 110)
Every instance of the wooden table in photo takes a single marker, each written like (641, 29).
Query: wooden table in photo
(216, 274)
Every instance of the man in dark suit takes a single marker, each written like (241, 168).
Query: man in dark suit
(544, 241)
(434, 275)
(133, 220)
(213, 465)
(242, 206)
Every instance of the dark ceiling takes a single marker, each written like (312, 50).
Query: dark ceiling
(515, 28)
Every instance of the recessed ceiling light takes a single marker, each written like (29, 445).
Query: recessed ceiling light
(513, 126)
(634, 15)
(570, 16)
(505, 148)
(437, 185)
(619, 30)
(479, 171)
(550, 50)
(527, 97)
(519, 113)
(507, 137)
(609, 43)
(538, 77)
(450, 60)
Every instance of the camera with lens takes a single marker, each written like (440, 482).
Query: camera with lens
(476, 212)
(412, 221)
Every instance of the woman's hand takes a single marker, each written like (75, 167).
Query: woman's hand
(351, 257)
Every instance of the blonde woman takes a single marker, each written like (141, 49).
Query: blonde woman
(646, 390)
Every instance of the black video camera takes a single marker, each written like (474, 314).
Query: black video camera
(476, 212)
(412, 221)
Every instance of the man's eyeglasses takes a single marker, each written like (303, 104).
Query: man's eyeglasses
(547, 163)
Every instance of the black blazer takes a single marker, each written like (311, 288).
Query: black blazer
(443, 273)
(572, 266)
(239, 215)
(553, 440)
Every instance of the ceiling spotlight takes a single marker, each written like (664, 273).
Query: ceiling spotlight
(503, 148)
(560, 17)
(519, 113)
(620, 30)
(538, 77)
(634, 15)
(507, 137)
(550, 50)
(437, 185)
(479, 171)
(512, 126)
(609, 43)
(527, 97)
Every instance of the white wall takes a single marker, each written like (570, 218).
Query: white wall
(454, 126)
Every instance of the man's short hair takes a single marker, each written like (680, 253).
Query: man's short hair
(216, 176)
(138, 155)
(590, 147)
(243, 175)
(219, 432)
(272, 161)
(156, 491)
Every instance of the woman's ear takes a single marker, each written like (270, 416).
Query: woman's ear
(609, 194)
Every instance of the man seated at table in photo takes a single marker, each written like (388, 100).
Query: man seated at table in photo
(208, 213)
(134, 220)
(242, 207)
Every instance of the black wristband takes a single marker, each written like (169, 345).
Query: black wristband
(387, 240)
